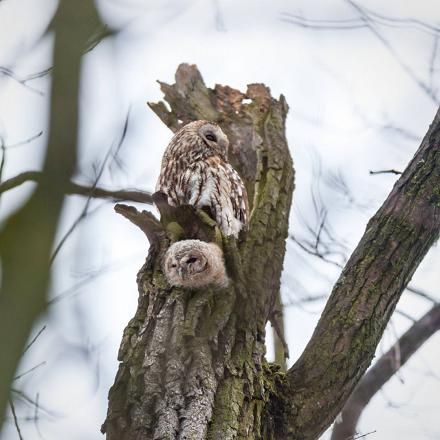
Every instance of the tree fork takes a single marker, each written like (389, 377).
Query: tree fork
(192, 362)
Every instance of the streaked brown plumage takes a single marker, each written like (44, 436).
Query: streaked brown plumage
(195, 171)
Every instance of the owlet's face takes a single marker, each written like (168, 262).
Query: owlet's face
(183, 267)
(213, 136)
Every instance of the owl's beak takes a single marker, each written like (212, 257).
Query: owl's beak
(182, 272)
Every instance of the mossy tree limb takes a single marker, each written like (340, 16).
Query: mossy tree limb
(383, 370)
(192, 362)
(396, 239)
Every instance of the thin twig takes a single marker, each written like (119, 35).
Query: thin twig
(357, 437)
(84, 211)
(433, 60)
(358, 23)
(25, 398)
(22, 81)
(422, 294)
(14, 415)
(30, 370)
(405, 315)
(36, 418)
(3, 159)
(305, 299)
(392, 171)
(34, 339)
(101, 33)
(371, 25)
(314, 252)
(370, 20)
(26, 141)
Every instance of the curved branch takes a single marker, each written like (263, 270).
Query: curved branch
(383, 370)
(344, 342)
(132, 195)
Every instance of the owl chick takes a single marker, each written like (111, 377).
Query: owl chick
(194, 264)
(195, 171)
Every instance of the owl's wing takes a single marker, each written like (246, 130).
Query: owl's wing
(238, 195)
(194, 186)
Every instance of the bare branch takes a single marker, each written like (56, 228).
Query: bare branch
(102, 32)
(19, 376)
(392, 171)
(383, 370)
(18, 394)
(371, 25)
(85, 209)
(395, 241)
(132, 195)
(433, 61)
(358, 23)
(370, 20)
(314, 252)
(26, 141)
(14, 415)
(22, 81)
(3, 159)
(422, 294)
(34, 339)
(406, 315)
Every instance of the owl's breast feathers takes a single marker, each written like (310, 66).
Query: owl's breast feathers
(211, 183)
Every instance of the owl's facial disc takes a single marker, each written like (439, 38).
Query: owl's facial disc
(215, 138)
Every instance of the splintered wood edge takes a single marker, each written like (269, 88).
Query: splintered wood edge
(144, 220)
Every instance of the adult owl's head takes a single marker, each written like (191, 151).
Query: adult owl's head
(203, 135)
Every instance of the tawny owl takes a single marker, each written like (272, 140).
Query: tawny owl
(194, 264)
(195, 171)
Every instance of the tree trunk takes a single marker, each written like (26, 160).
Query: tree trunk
(192, 362)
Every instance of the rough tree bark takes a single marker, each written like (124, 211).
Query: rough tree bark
(192, 363)
(383, 370)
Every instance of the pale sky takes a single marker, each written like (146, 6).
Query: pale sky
(346, 90)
